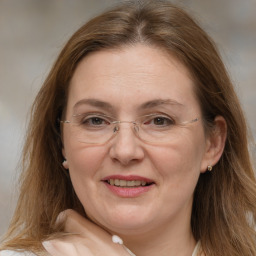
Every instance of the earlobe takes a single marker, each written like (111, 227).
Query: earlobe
(215, 144)
(65, 162)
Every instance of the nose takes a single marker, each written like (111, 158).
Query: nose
(125, 147)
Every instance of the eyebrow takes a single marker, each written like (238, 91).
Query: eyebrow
(108, 106)
(94, 103)
(159, 102)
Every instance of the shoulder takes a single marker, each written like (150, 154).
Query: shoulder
(16, 253)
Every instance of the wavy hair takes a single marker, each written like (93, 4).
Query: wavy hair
(224, 206)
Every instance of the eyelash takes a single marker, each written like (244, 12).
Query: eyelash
(96, 118)
(88, 119)
(167, 120)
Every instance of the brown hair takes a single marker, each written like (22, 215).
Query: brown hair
(224, 209)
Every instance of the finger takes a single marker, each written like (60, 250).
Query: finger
(63, 248)
(71, 221)
(50, 248)
(74, 223)
(82, 228)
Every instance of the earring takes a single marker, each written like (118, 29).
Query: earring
(65, 164)
(209, 168)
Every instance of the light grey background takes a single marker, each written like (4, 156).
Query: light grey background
(32, 32)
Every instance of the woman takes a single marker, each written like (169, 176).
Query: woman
(138, 131)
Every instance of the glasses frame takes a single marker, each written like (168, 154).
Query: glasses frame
(136, 126)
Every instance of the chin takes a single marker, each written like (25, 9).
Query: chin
(122, 218)
(128, 228)
(127, 223)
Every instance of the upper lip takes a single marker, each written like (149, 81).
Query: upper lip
(127, 178)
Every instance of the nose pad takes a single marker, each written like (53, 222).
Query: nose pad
(116, 129)
(134, 127)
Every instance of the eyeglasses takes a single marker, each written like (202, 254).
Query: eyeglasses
(98, 129)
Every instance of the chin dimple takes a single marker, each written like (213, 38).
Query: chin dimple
(127, 183)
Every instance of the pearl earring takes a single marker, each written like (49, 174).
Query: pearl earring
(65, 164)
(209, 168)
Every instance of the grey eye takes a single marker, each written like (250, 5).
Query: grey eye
(96, 121)
(159, 121)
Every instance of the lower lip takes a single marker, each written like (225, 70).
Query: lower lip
(128, 192)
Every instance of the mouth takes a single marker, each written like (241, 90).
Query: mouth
(128, 183)
(131, 186)
(131, 181)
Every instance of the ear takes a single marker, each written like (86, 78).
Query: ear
(63, 152)
(65, 162)
(215, 143)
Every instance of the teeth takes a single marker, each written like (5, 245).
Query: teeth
(125, 183)
(143, 183)
(122, 183)
(131, 183)
(137, 183)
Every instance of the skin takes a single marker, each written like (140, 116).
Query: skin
(156, 222)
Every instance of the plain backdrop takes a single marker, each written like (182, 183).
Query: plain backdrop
(32, 32)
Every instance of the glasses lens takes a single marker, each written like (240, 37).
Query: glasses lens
(156, 135)
(155, 129)
(92, 129)
(161, 129)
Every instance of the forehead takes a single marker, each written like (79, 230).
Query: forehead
(131, 76)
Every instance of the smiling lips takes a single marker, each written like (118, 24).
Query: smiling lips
(125, 183)
(128, 186)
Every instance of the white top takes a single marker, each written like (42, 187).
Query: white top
(196, 250)
(15, 253)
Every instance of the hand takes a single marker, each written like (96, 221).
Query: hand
(84, 239)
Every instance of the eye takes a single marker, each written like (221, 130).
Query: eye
(92, 121)
(95, 121)
(160, 121)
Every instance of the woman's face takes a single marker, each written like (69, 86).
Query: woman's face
(126, 84)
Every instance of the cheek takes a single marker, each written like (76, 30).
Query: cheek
(82, 159)
(84, 162)
(179, 164)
